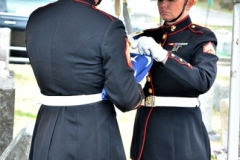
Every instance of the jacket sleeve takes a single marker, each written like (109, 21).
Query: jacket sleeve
(120, 84)
(199, 74)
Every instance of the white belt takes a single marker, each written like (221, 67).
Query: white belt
(156, 101)
(71, 100)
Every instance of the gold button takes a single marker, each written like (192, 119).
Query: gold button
(173, 28)
(150, 90)
(148, 79)
(143, 101)
(172, 55)
(193, 26)
(164, 36)
(181, 59)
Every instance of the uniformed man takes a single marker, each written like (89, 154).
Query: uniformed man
(75, 51)
(170, 126)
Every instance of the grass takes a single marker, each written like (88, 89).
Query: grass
(21, 77)
(214, 6)
(19, 113)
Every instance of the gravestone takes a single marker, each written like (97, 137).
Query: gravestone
(224, 110)
(7, 97)
(7, 92)
(19, 148)
(206, 101)
(212, 99)
(221, 91)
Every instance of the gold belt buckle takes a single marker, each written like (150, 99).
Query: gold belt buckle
(150, 101)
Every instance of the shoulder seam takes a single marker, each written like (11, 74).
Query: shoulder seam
(104, 13)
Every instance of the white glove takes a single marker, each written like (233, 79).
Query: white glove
(147, 45)
(133, 42)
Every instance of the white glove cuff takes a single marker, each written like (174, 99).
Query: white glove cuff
(160, 57)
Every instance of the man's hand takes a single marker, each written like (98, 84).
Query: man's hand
(147, 45)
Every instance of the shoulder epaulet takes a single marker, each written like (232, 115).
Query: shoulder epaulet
(135, 35)
(196, 28)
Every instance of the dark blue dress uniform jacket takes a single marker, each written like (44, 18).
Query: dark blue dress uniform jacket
(177, 133)
(76, 49)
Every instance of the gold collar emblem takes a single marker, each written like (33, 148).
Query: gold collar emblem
(173, 28)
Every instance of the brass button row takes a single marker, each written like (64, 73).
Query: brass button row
(180, 59)
(150, 90)
(149, 80)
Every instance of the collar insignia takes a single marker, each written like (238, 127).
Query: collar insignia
(173, 28)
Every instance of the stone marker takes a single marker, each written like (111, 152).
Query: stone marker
(224, 108)
(206, 101)
(7, 97)
(221, 91)
(212, 99)
(19, 148)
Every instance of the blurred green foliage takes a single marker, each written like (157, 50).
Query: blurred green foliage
(223, 5)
